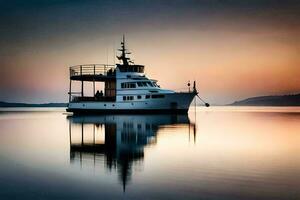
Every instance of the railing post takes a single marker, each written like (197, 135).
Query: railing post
(70, 90)
(94, 79)
(81, 81)
(70, 86)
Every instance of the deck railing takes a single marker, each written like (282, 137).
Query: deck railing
(86, 98)
(92, 69)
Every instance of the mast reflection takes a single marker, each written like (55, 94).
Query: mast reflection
(120, 139)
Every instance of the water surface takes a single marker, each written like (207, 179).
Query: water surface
(216, 153)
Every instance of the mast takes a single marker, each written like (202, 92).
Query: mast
(123, 50)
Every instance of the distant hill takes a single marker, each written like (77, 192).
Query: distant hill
(6, 104)
(284, 100)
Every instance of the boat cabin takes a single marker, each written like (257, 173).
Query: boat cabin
(127, 74)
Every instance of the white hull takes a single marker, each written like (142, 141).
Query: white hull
(172, 102)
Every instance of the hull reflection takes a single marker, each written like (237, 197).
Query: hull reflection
(118, 139)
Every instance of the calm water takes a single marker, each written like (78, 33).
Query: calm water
(219, 153)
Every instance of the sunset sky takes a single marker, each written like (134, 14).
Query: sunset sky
(233, 49)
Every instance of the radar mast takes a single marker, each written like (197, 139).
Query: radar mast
(124, 51)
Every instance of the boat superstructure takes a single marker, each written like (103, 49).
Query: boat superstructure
(126, 90)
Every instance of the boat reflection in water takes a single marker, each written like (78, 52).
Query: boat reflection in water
(121, 139)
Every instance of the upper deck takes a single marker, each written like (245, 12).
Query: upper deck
(92, 72)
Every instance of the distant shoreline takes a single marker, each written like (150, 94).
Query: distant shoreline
(279, 101)
(29, 105)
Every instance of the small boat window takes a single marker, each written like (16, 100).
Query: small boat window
(156, 96)
(139, 126)
(150, 84)
(128, 85)
(132, 68)
(139, 96)
(128, 98)
(148, 127)
(145, 84)
(147, 96)
(132, 85)
(141, 69)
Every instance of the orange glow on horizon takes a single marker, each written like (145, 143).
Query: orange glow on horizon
(227, 66)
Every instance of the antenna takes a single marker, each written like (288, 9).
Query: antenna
(106, 56)
(124, 40)
(114, 50)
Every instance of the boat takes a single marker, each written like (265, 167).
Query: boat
(127, 89)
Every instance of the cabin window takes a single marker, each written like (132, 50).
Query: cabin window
(145, 84)
(122, 69)
(141, 69)
(128, 98)
(147, 96)
(128, 85)
(132, 85)
(139, 126)
(156, 96)
(150, 84)
(139, 96)
(148, 127)
(132, 68)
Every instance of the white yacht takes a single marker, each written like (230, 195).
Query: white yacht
(126, 90)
